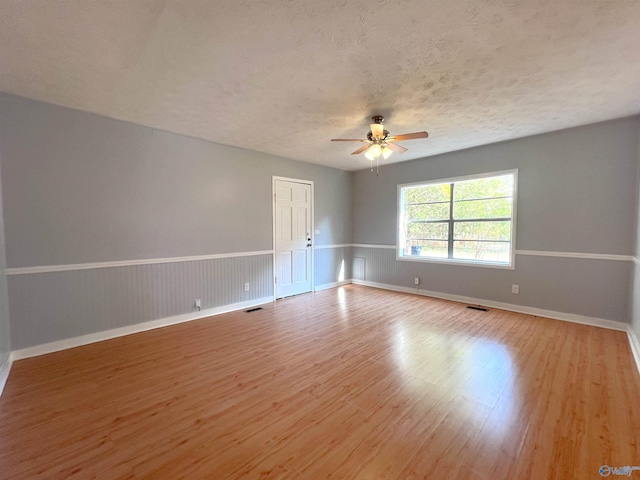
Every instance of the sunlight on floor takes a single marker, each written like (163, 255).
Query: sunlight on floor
(477, 373)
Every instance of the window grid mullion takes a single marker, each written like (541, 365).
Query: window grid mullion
(467, 220)
(469, 252)
(431, 239)
(425, 203)
(444, 220)
(484, 198)
(450, 239)
(485, 241)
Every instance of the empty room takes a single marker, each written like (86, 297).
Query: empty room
(303, 240)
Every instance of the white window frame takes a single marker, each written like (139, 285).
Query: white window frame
(453, 261)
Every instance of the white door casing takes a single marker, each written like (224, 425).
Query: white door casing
(293, 228)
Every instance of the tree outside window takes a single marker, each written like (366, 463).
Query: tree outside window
(463, 220)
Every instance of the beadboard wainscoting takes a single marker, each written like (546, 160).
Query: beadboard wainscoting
(5, 369)
(332, 264)
(58, 305)
(590, 285)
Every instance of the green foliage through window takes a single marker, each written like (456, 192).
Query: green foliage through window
(468, 219)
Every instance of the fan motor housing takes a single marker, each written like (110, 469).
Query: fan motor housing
(372, 139)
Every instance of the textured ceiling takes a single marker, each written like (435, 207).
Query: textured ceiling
(284, 77)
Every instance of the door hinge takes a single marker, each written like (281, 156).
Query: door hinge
(276, 280)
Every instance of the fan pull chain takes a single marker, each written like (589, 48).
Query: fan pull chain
(377, 166)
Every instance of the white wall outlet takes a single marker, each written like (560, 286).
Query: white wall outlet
(317, 232)
(416, 281)
(515, 289)
(246, 287)
(198, 303)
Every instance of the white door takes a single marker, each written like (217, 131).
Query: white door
(292, 237)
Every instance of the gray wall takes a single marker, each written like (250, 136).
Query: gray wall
(80, 188)
(635, 278)
(83, 188)
(576, 193)
(5, 330)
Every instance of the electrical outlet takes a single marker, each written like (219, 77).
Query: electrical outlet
(246, 287)
(416, 281)
(515, 289)
(198, 303)
(317, 232)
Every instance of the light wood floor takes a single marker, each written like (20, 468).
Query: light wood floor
(346, 383)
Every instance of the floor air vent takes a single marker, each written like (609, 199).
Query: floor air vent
(253, 309)
(478, 308)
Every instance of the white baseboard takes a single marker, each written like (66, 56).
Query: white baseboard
(567, 317)
(128, 330)
(4, 373)
(325, 286)
(634, 343)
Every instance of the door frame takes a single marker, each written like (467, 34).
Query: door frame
(273, 227)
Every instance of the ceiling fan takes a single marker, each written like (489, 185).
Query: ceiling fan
(379, 143)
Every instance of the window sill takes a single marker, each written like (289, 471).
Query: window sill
(464, 263)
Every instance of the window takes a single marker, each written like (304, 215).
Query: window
(469, 220)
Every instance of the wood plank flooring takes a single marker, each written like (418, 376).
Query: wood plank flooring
(347, 383)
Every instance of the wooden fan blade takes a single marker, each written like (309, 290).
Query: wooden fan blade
(348, 140)
(377, 130)
(396, 148)
(360, 150)
(409, 136)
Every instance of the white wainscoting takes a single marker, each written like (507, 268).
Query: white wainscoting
(131, 329)
(5, 369)
(56, 305)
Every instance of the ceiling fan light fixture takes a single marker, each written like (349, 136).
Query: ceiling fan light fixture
(377, 130)
(379, 143)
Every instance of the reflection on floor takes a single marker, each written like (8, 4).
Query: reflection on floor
(351, 382)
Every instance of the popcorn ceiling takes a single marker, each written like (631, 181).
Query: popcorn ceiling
(284, 77)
